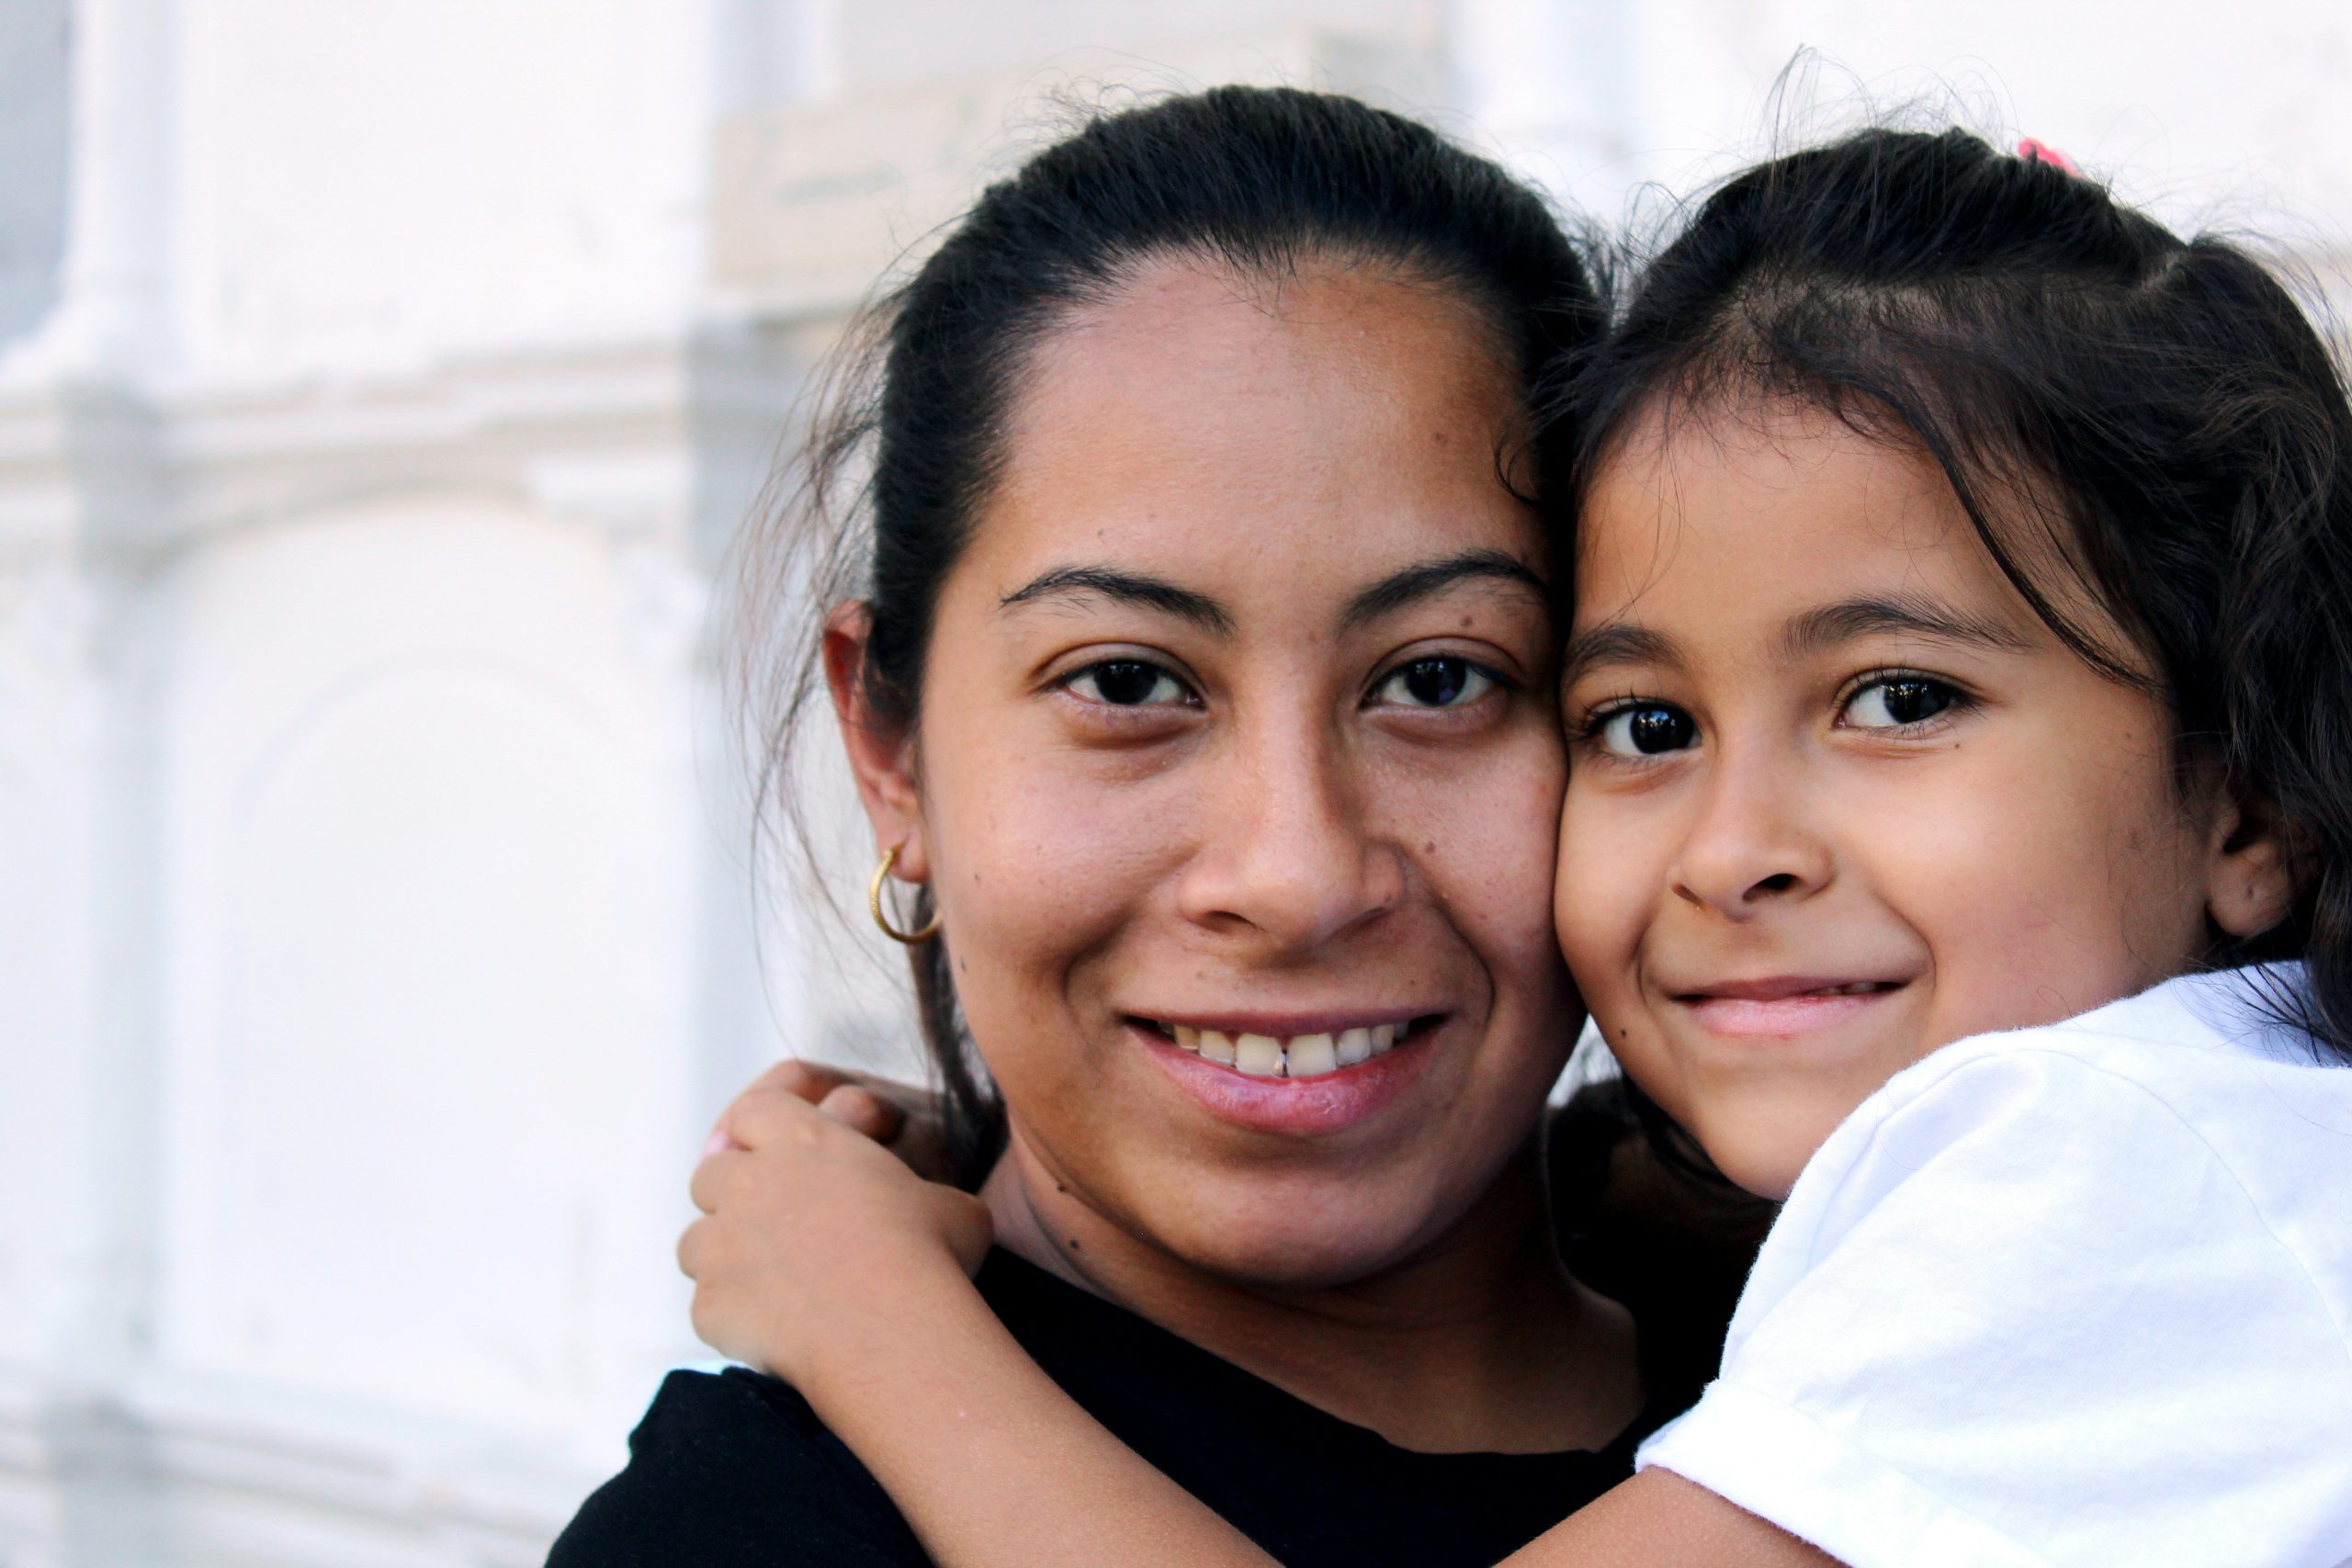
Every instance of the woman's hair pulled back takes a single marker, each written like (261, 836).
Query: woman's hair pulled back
(2131, 419)
(901, 457)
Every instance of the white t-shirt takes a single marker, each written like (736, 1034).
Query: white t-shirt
(2077, 1295)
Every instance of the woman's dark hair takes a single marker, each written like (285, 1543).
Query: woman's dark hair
(1257, 181)
(2125, 414)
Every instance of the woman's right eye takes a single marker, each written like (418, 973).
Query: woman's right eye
(1127, 684)
(1644, 729)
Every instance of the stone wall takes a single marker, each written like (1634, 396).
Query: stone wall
(378, 387)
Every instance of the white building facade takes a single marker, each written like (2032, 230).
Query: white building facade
(379, 387)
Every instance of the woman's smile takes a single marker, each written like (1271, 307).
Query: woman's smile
(1300, 1075)
(1249, 723)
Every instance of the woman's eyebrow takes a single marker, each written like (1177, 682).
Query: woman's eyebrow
(1400, 588)
(1899, 613)
(1127, 587)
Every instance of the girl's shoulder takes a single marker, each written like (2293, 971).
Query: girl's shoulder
(2080, 1293)
(2068, 1130)
(2199, 1068)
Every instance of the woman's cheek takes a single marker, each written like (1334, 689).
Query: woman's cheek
(1481, 837)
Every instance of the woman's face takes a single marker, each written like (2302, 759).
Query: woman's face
(1238, 772)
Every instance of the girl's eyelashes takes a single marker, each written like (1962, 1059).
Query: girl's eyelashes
(1897, 700)
(1435, 681)
(1639, 727)
(1128, 683)
(1890, 703)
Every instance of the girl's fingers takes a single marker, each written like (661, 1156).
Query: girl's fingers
(855, 1106)
(712, 1178)
(810, 1081)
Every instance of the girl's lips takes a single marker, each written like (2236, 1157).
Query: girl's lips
(1782, 1008)
(1326, 1103)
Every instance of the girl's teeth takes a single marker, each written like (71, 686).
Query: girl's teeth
(1187, 1038)
(1353, 1045)
(1216, 1047)
(1384, 1035)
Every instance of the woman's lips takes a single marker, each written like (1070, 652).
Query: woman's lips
(1783, 1007)
(1261, 1087)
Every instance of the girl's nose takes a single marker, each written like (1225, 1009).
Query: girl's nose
(1752, 848)
(1289, 856)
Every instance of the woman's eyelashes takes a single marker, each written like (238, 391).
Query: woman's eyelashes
(1441, 680)
(1433, 682)
(1129, 684)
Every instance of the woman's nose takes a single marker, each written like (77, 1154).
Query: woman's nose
(1289, 855)
(1753, 847)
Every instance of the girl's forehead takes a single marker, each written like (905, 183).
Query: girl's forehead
(1772, 498)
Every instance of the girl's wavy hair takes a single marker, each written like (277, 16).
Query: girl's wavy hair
(2144, 422)
(908, 433)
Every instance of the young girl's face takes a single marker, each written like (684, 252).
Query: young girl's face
(1836, 795)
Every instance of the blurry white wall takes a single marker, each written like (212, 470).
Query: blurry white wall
(379, 386)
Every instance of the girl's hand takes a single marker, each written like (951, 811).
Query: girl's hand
(903, 1119)
(808, 1225)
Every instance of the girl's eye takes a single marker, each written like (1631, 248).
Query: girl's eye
(1646, 729)
(1127, 684)
(1896, 702)
(1438, 683)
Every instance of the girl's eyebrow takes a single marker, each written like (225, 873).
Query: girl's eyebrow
(1911, 613)
(1617, 642)
(1625, 642)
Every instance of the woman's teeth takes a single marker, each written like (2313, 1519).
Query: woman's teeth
(1299, 1056)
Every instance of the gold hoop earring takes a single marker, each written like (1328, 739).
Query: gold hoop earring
(874, 903)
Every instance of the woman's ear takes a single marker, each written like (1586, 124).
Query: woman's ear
(881, 751)
(2250, 868)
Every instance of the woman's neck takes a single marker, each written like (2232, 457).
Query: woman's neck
(1480, 1342)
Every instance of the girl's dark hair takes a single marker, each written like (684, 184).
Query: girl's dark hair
(1258, 181)
(2123, 413)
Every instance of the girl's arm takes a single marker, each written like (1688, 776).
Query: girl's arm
(821, 1257)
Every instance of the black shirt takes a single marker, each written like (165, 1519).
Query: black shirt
(736, 1469)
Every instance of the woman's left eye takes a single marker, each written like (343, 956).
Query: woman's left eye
(1127, 684)
(1443, 681)
(1896, 701)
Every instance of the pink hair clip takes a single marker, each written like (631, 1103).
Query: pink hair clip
(2030, 150)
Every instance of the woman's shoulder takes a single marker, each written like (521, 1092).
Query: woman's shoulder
(735, 1468)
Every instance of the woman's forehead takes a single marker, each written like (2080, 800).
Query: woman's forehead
(1201, 429)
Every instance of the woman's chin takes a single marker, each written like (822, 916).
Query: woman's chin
(1305, 1242)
